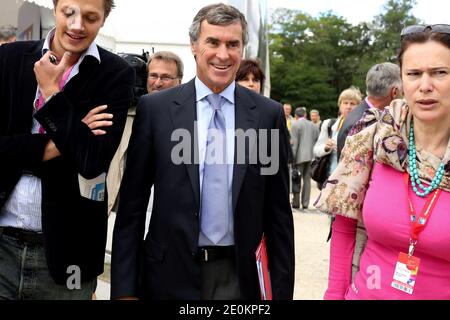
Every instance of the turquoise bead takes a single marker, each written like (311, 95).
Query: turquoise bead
(414, 173)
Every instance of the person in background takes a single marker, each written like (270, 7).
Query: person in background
(165, 70)
(348, 100)
(315, 118)
(394, 174)
(304, 136)
(326, 143)
(287, 107)
(54, 153)
(384, 84)
(8, 34)
(250, 75)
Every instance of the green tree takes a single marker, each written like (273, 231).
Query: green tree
(387, 27)
(314, 59)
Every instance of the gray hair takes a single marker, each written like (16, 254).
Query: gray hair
(7, 32)
(381, 78)
(314, 111)
(220, 15)
(169, 56)
(300, 112)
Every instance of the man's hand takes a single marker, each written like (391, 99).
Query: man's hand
(94, 119)
(97, 119)
(48, 74)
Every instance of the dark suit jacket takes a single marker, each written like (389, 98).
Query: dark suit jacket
(352, 118)
(74, 227)
(170, 269)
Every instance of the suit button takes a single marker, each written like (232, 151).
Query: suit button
(196, 214)
(193, 253)
(2, 195)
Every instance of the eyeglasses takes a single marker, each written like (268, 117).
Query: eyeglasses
(163, 78)
(419, 28)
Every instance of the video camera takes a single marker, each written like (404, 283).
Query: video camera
(139, 65)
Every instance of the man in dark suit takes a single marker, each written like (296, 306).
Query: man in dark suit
(383, 84)
(54, 152)
(208, 217)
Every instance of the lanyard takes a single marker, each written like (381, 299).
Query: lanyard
(419, 223)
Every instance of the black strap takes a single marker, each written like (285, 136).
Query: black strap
(330, 124)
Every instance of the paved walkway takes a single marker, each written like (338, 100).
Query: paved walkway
(311, 254)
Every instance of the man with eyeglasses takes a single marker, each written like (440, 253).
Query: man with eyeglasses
(165, 70)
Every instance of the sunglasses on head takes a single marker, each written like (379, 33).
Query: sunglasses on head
(419, 28)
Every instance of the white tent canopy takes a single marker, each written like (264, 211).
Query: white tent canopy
(134, 26)
(42, 3)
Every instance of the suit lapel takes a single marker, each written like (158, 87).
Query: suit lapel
(82, 81)
(183, 114)
(246, 117)
(26, 89)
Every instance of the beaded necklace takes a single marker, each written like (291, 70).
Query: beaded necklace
(417, 186)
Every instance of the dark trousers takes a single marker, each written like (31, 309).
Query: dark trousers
(24, 275)
(220, 280)
(303, 188)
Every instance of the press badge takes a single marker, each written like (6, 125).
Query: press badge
(93, 189)
(405, 273)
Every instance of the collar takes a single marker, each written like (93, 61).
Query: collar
(203, 91)
(91, 51)
(369, 103)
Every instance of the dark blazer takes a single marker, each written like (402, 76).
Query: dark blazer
(352, 118)
(74, 227)
(170, 269)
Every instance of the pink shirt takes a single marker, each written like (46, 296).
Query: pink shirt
(62, 83)
(386, 217)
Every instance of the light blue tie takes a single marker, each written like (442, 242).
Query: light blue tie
(214, 201)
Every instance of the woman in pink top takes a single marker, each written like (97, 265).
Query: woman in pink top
(394, 175)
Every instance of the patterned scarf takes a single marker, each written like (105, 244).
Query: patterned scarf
(381, 136)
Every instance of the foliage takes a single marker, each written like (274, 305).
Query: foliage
(314, 59)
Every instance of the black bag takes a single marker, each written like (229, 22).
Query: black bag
(321, 166)
(296, 176)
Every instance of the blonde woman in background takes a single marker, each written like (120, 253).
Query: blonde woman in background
(326, 144)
